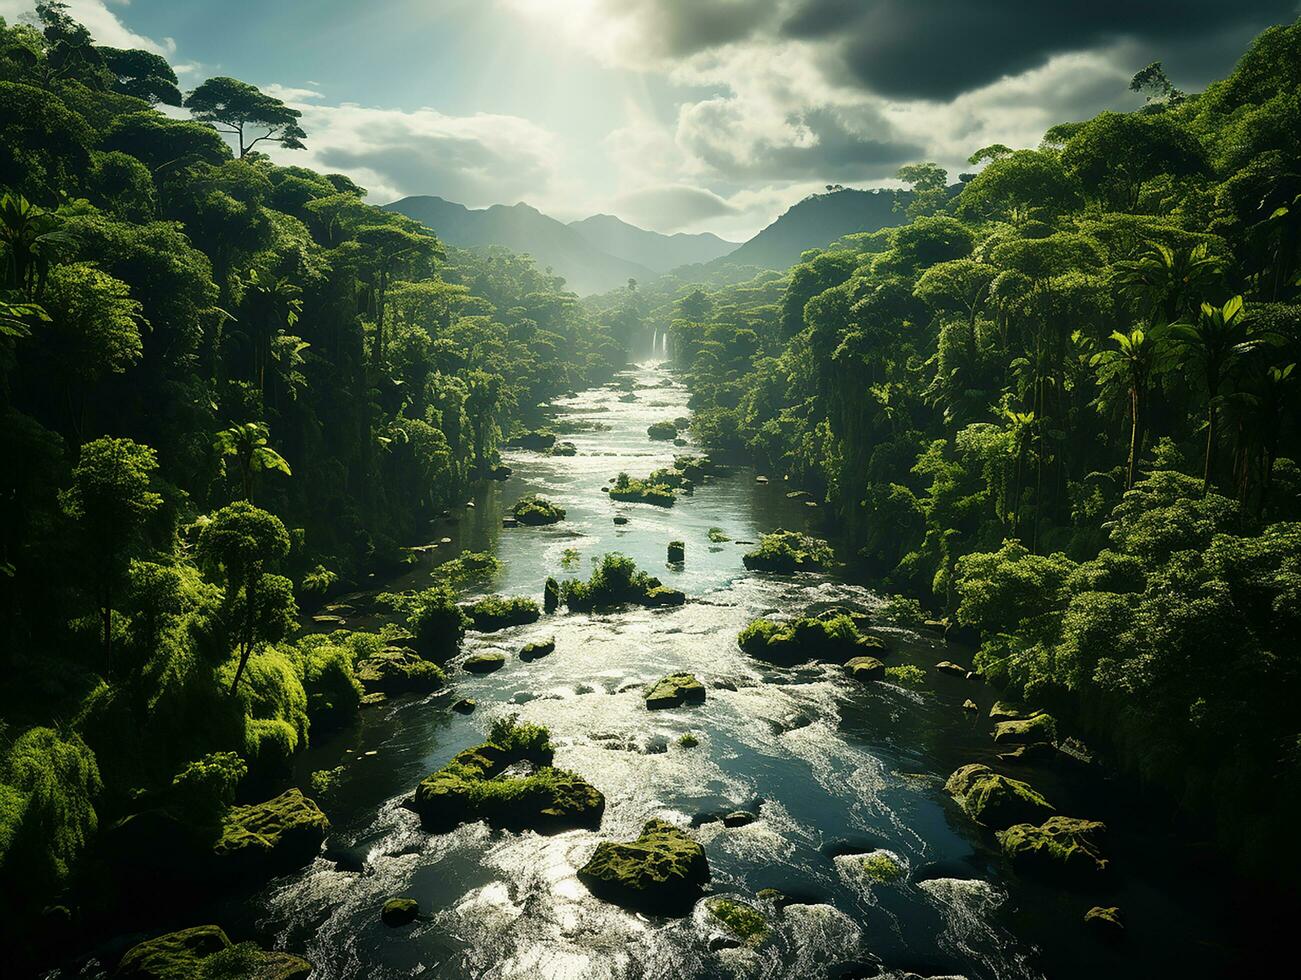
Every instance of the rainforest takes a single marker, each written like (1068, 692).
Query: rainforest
(913, 590)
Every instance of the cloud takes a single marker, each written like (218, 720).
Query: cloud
(103, 23)
(475, 160)
(673, 207)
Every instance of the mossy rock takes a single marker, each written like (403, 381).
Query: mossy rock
(970, 706)
(535, 439)
(484, 663)
(471, 787)
(399, 912)
(688, 740)
(663, 595)
(271, 837)
(865, 669)
(1105, 922)
(1060, 847)
(994, 800)
(550, 595)
(188, 953)
(677, 551)
(1029, 753)
(675, 690)
(787, 552)
(495, 612)
(465, 706)
(663, 871)
(535, 511)
(1005, 711)
(881, 868)
(950, 668)
(743, 921)
(537, 649)
(832, 638)
(1041, 727)
(399, 670)
(662, 430)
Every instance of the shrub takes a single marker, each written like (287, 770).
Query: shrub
(535, 510)
(789, 551)
(437, 622)
(206, 786)
(333, 692)
(631, 490)
(497, 612)
(906, 675)
(662, 430)
(615, 581)
(470, 566)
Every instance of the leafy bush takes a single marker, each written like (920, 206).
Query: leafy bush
(615, 581)
(789, 551)
(437, 622)
(662, 430)
(206, 786)
(535, 510)
(333, 692)
(495, 612)
(631, 490)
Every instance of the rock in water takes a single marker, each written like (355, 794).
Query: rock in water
(184, 955)
(739, 818)
(948, 667)
(865, 669)
(537, 649)
(399, 911)
(970, 706)
(1040, 727)
(677, 551)
(995, 800)
(662, 871)
(399, 670)
(485, 663)
(465, 706)
(267, 838)
(674, 690)
(550, 595)
(1106, 922)
(1060, 847)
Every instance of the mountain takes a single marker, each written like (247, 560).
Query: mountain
(657, 252)
(816, 222)
(587, 269)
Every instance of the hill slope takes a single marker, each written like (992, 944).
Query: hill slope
(521, 228)
(816, 222)
(657, 252)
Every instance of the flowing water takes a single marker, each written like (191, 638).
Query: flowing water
(833, 768)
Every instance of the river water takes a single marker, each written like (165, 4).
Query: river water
(833, 768)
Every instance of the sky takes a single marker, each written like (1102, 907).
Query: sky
(676, 115)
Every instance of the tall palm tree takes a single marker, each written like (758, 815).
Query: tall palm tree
(249, 444)
(1217, 341)
(1130, 365)
(1167, 282)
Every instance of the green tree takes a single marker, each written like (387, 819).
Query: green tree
(110, 500)
(237, 545)
(249, 444)
(240, 110)
(1130, 366)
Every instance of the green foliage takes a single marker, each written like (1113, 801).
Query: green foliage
(788, 552)
(534, 510)
(495, 612)
(739, 919)
(333, 691)
(630, 489)
(615, 581)
(206, 786)
(909, 675)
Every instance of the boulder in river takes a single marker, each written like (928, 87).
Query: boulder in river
(865, 669)
(533, 511)
(950, 668)
(206, 950)
(1060, 847)
(495, 612)
(465, 706)
(738, 818)
(744, 922)
(620, 520)
(832, 638)
(399, 912)
(484, 663)
(472, 787)
(675, 690)
(970, 706)
(994, 800)
(550, 595)
(787, 552)
(1005, 711)
(537, 649)
(677, 551)
(500, 472)
(268, 838)
(663, 595)
(1041, 727)
(663, 871)
(399, 670)
(1105, 922)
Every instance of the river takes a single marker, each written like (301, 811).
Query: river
(831, 766)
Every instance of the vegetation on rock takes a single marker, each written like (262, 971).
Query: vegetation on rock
(663, 871)
(535, 510)
(787, 552)
(833, 638)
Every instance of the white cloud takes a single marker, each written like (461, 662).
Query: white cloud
(102, 22)
(474, 160)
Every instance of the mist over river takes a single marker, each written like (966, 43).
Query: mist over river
(833, 768)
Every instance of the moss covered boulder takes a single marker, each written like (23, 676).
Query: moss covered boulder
(994, 800)
(534, 511)
(1006, 711)
(538, 440)
(833, 638)
(206, 950)
(789, 551)
(495, 612)
(484, 663)
(474, 786)
(550, 595)
(1041, 727)
(741, 920)
(1060, 847)
(662, 430)
(399, 670)
(677, 551)
(271, 837)
(663, 595)
(538, 649)
(865, 669)
(950, 668)
(399, 912)
(663, 871)
(675, 690)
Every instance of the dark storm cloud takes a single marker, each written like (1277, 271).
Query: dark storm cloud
(696, 25)
(941, 48)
